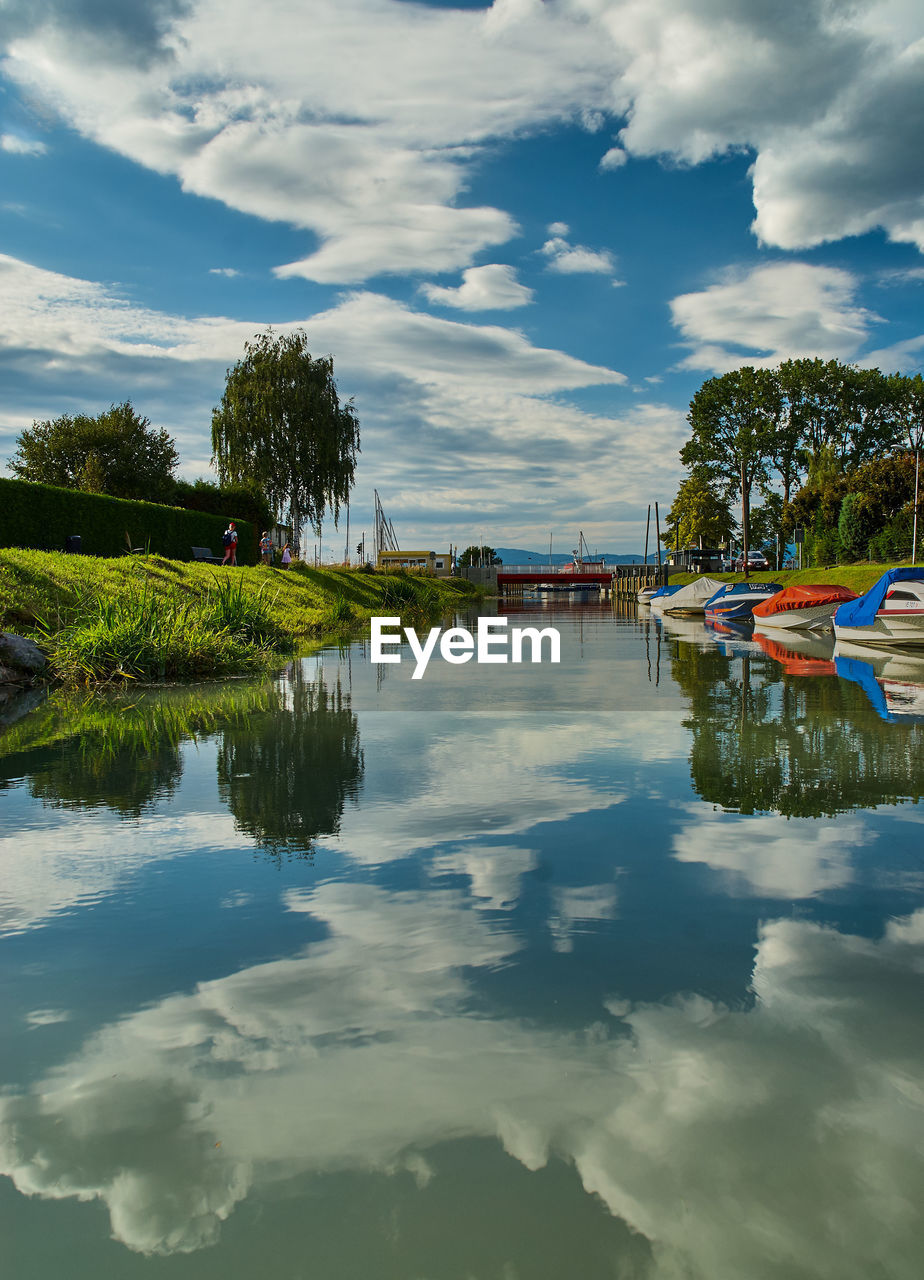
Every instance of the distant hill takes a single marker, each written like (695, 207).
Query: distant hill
(516, 555)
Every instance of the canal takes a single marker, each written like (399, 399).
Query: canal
(611, 968)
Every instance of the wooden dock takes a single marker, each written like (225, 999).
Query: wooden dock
(628, 579)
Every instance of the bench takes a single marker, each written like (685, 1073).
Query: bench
(205, 553)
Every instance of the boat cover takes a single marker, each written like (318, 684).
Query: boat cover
(803, 597)
(862, 673)
(663, 591)
(862, 612)
(695, 594)
(743, 590)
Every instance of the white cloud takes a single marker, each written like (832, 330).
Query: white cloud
(613, 159)
(771, 313)
(558, 229)
(258, 113)
(428, 390)
(760, 855)
(494, 871)
(489, 288)
(574, 906)
(571, 259)
(230, 272)
(508, 760)
(72, 317)
(380, 1018)
(75, 864)
(255, 110)
(21, 146)
(908, 275)
(901, 357)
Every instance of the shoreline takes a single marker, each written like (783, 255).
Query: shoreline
(154, 621)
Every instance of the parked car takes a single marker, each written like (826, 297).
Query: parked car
(757, 562)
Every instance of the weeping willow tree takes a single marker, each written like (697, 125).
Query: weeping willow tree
(282, 426)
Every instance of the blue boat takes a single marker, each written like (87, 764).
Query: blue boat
(736, 601)
(647, 594)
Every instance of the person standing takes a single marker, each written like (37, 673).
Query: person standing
(286, 556)
(229, 539)
(266, 548)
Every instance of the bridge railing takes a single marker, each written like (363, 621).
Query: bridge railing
(551, 570)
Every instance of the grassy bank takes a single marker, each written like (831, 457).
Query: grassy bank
(858, 577)
(149, 618)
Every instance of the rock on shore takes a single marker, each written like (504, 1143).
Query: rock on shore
(22, 664)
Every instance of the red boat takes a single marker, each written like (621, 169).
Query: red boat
(809, 607)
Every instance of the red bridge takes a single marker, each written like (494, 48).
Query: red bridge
(560, 577)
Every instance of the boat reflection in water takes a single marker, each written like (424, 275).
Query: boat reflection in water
(893, 682)
(800, 654)
(773, 731)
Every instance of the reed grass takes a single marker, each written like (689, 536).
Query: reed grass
(161, 636)
(144, 617)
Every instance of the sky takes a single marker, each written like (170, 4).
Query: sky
(526, 232)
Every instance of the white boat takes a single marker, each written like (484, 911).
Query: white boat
(891, 613)
(644, 594)
(689, 599)
(807, 607)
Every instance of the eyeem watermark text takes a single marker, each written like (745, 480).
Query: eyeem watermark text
(491, 642)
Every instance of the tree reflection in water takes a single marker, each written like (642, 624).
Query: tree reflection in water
(286, 774)
(807, 746)
(120, 752)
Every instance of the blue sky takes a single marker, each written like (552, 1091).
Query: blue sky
(525, 231)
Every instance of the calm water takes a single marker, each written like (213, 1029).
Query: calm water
(611, 969)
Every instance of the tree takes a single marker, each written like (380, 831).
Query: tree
(117, 452)
(834, 408)
(817, 505)
(239, 501)
(474, 555)
(699, 516)
(281, 426)
(767, 524)
(909, 394)
(287, 774)
(734, 419)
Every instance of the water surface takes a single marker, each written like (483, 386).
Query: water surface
(610, 969)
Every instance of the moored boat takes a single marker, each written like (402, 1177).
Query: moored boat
(656, 593)
(807, 607)
(891, 612)
(687, 599)
(736, 600)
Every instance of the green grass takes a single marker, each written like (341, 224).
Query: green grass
(149, 618)
(160, 636)
(137, 722)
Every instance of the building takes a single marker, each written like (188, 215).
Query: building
(435, 564)
(697, 559)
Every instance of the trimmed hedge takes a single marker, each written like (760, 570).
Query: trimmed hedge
(42, 516)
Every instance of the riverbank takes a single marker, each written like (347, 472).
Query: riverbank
(858, 577)
(149, 618)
